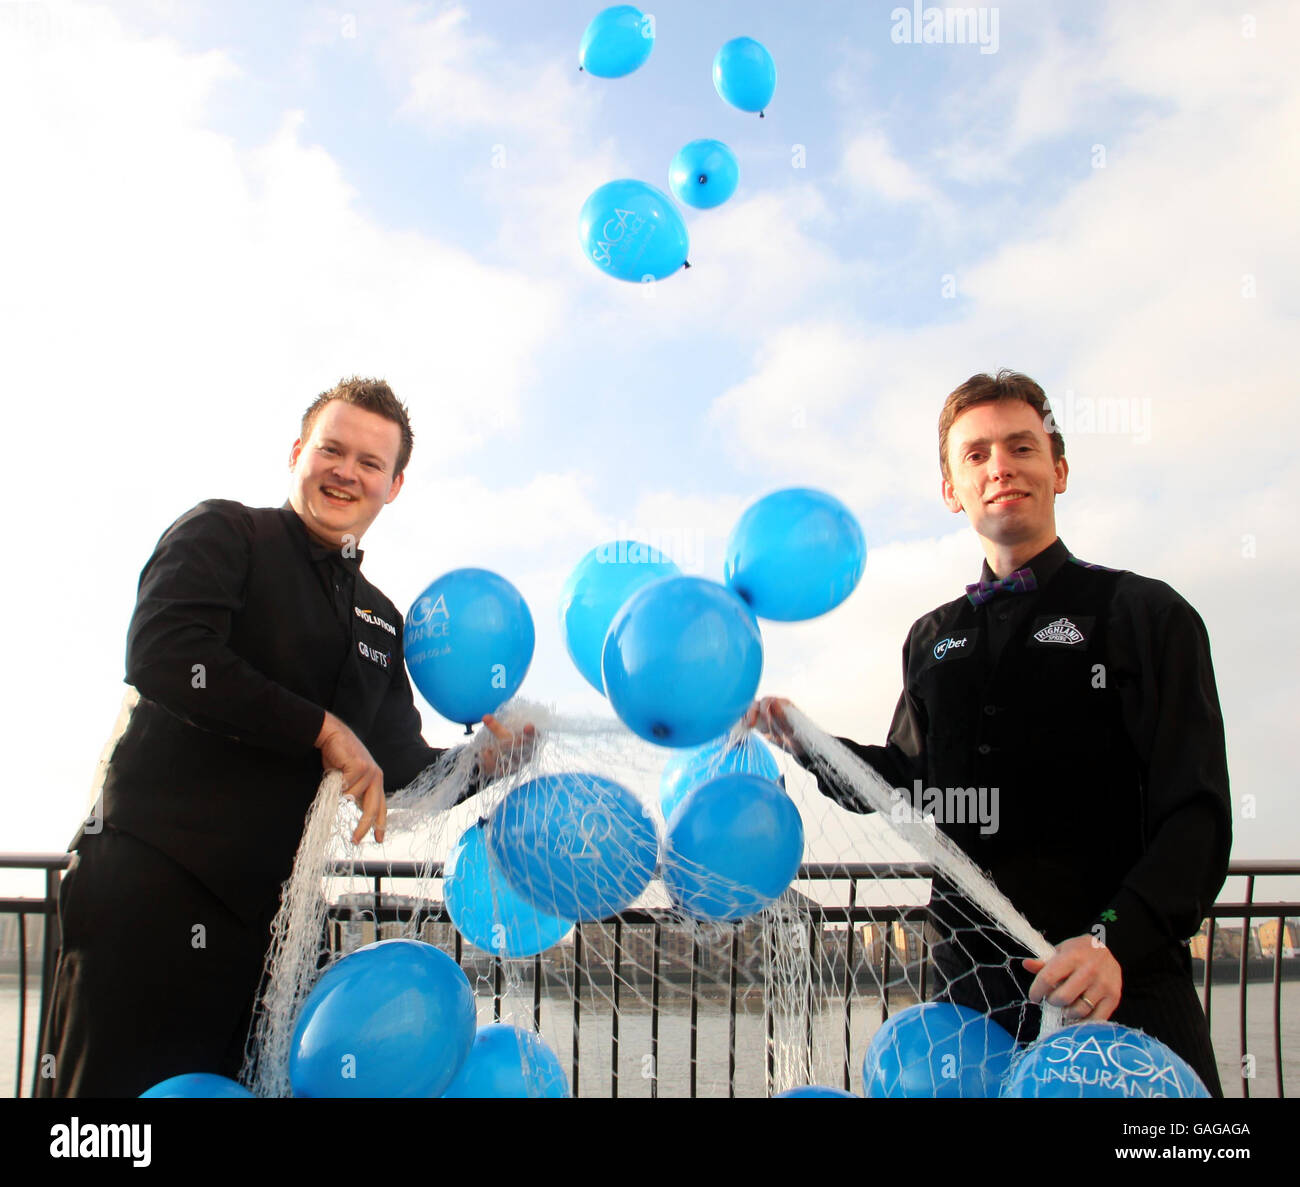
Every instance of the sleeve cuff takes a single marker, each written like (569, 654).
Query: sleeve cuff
(1129, 929)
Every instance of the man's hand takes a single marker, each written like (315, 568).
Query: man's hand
(768, 717)
(507, 752)
(363, 780)
(1080, 968)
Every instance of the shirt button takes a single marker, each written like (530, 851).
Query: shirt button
(984, 748)
(989, 710)
(1003, 616)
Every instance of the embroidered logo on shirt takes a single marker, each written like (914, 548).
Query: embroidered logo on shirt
(1060, 631)
(374, 655)
(374, 620)
(948, 644)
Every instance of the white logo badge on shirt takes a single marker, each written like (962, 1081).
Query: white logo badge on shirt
(1060, 631)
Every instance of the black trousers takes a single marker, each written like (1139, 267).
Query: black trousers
(1157, 997)
(156, 978)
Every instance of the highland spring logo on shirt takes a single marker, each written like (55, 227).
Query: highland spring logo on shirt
(1060, 631)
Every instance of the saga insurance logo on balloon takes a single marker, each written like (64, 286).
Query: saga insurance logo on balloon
(468, 642)
(632, 231)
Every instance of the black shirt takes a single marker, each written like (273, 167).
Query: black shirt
(246, 630)
(1168, 795)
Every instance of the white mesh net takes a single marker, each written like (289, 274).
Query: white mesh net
(569, 893)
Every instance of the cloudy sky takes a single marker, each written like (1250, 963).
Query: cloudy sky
(212, 211)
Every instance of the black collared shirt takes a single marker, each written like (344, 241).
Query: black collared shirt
(1157, 658)
(246, 630)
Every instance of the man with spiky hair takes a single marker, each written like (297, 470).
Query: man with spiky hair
(261, 656)
(1086, 696)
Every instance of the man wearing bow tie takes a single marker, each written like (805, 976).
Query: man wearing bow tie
(1086, 696)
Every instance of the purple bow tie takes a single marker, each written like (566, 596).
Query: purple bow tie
(1021, 581)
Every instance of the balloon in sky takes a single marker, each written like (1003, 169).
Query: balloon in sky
(632, 231)
(744, 74)
(617, 41)
(507, 1062)
(795, 554)
(733, 846)
(602, 581)
(682, 661)
(937, 1049)
(576, 846)
(685, 770)
(468, 642)
(394, 1018)
(486, 910)
(195, 1086)
(1102, 1059)
(704, 174)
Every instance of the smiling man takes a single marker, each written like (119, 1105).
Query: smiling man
(262, 656)
(1086, 696)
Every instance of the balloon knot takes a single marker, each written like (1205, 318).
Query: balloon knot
(762, 116)
(686, 263)
(469, 729)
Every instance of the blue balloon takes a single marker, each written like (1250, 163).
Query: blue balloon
(484, 908)
(394, 1018)
(604, 579)
(632, 231)
(937, 1049)
(507, 1062)
(682, 661)
(795, 554)
(685, 770)
(744, 74)
(734, 845)
(617, 41)
(704, 174)
(813, 1090)
(196, 1086)
(576, 846)
(468, 643)
(1101, 1059)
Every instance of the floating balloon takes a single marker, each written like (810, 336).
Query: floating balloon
(468, 643)
(734, 845)
(507, 1062)
(1101, 1059)
(604, 579)
(682, 661)
(744, 74)
(486, 910)
(704, 174)
(196, 1086)
(937, 1049)
(394, 1018)
(685, 770)
(813, 1090)
(795, 554)
(617, 41)
(576, 846)
(632, 231)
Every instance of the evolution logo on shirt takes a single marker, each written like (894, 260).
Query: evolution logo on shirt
(374, 620)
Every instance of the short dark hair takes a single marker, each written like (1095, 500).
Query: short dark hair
(984, 389)
(374, 395)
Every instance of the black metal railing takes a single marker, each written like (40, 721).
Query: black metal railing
(611, 964)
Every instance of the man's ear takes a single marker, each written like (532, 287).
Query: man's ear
(948, 493)
(294, 452)
(397, 485)
(1062, 473)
